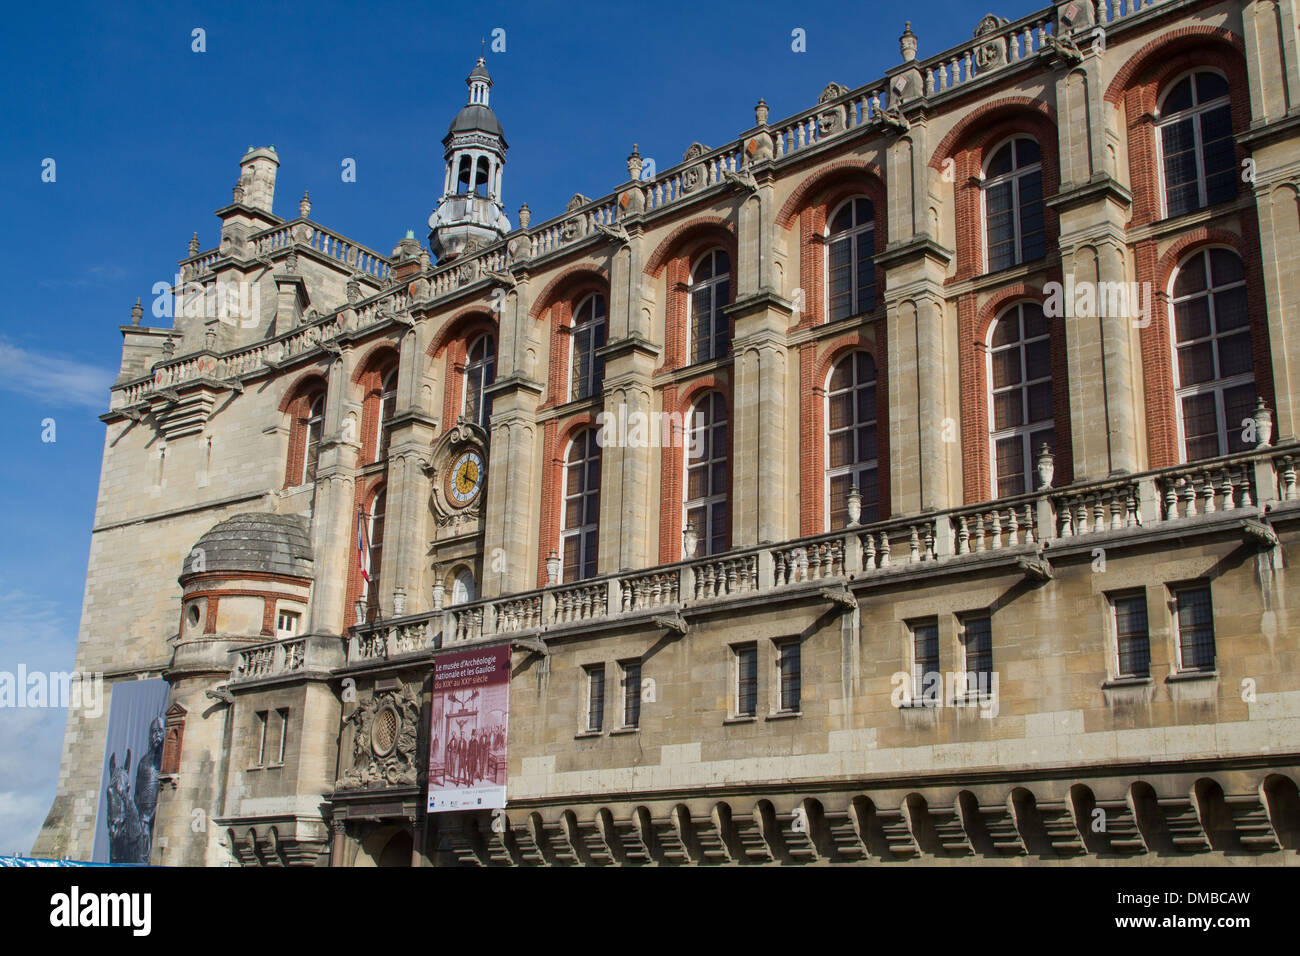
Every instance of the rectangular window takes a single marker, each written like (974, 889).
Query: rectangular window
(595, 697)
(631, 693)
(287, 624)
(926, 679)
(746, 680)
(788, 669)
(1132, 639)
(977, 643)
(1195, 618)
(261, 738)
(283, 720)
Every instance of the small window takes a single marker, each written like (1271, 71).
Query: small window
(631, 693)
(283, 715)
(595, 697)
(261, 738)
(1132, 638)
(1195, 620)
(977, 646)
(926, 679)
(462, 587)
(287, 623)
(746, 702)
(788, 671)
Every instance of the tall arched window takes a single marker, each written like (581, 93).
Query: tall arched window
(850, 271)
(851, 439)
(480, 372)
(387, 407)
(710, 292)
(1214, 372)
(1020, 396)
(706, 473)
(580, 535)
(1013, 204)
(374, 551)
(315, 425)
(1196, 145)
(588, 335)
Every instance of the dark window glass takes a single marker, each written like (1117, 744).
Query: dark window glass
(926, 679)
(1195, 628)
(746, 681)
(595, 697)
(1131, 636)
(788, 664)
(631, 693)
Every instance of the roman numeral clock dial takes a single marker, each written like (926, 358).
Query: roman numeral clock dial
(466, 478)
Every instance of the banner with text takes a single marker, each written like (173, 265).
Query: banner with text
(467, 732)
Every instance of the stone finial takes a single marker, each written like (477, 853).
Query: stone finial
(525, 216)
(760, 112)
(304, 205)
(291, 262)
(137, 310)
(634, 164)
(210, 339)
(169, 346)
(237, 194)
(353, 291)
(194, 244)
(907, 43)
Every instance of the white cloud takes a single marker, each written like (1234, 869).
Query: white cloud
(58, 381)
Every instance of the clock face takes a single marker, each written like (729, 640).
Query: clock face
(466, 478)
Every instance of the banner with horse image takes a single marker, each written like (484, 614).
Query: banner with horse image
(467, 732)
(128, 790)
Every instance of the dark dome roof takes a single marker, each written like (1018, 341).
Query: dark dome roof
(270, 543)
(476, 117)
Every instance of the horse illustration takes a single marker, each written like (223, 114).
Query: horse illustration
(126, 837)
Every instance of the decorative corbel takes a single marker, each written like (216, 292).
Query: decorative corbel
(534, 644)
(221, 693)
(676, 623)
(894, 119)
(743, 179)
(1259, 533)
(617, 232)
(1061, 48)
(506, 279)
(1035, 568)
(841, 596)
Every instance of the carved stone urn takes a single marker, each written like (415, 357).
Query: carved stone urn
(1263, 425)
(1046, 466)
(855, 506)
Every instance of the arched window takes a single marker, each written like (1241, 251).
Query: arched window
(374, 552)
(850, 271)
(1214, 373)
(588, 335)
(1020, 396)
(706, 473)
(481, 177)
(311, 435)
(1013, 204)
(462, 587)
(1196, 146)
(387, 407)
(462, 177)
(710, 292)
(480, 372)
(579, 537)
(851, 439)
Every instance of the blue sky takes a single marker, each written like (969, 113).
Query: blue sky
(147, 134)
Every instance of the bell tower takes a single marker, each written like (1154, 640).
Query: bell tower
(470, 213)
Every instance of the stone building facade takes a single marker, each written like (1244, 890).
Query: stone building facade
(913, 478)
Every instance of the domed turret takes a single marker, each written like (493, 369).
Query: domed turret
(470, 213)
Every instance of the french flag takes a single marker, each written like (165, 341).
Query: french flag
(363, 547)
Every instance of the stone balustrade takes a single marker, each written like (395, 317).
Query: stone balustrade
(286, 656)
(1246, 482)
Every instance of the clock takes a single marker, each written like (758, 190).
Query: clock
(466, 478)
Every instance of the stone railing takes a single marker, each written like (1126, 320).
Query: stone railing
(313, 235)
(287, 656)
(1245, 482)
(987, 53)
